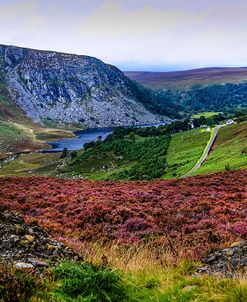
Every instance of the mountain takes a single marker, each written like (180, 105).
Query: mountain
(58, 87)
(188, 78)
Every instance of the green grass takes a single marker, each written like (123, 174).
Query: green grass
(178, 285)
(31, 164)
(50, 134)
(108, 163)
(230, 143)
(14, 138)
(8, 131)
(184, 151)
(85, 282)
(205, 114)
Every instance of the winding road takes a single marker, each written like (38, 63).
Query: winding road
(206, 151)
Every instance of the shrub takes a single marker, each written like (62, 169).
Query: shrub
(64, 154)
(85, 282)
(15, 285)
(73, 154)
(227, 167)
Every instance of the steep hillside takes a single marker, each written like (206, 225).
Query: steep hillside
(58, 87)
(188, 78)
(217, 89)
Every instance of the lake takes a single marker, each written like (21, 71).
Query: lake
(82, 137)
(85, 136)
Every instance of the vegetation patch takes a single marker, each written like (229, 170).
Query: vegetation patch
(87, 282)
(31, 164)
(205, 114)
(134, 157)
(184, 151)
(188, 216)
(229, 151)
(70, 281)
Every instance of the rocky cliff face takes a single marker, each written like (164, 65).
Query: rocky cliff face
(70, 88)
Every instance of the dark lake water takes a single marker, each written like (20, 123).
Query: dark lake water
(84, 136)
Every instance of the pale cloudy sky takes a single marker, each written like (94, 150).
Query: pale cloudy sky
(132, 34)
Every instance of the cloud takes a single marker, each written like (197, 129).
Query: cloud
(154, 36)
(129, 33)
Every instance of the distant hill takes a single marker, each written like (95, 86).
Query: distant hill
(188, 78)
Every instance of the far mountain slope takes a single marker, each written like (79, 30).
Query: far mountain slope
(187, 78)
(67, 88)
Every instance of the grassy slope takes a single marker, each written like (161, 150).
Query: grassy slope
(17, 138)
(31, 164)
(121, 159)
(18, 133)
(24, 137)
(228, 148)
(205, 114)
(184, 151)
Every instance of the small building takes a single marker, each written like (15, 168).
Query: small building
(230, 122)
(191, 125)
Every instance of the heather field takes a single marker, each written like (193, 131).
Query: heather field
(187, 217)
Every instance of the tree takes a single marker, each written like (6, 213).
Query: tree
(64, 154)
(73, 154)
(132, 136)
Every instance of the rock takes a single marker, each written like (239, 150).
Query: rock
(31, 231)
(236, 243)
(212, 258)
(51, 246)
(230, 252)
(15, 238)
(36, 262)
(189, 288)
(25, 250)
(228, 262)
(67, 88)
(29, 238)
(23, 265)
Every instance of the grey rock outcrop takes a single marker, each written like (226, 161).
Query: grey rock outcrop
(70, 88)
(27, 245)
(229, 262)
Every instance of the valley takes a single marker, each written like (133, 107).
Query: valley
(103, 192)
(126, 158)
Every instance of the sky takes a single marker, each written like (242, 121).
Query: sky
(155, 35)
